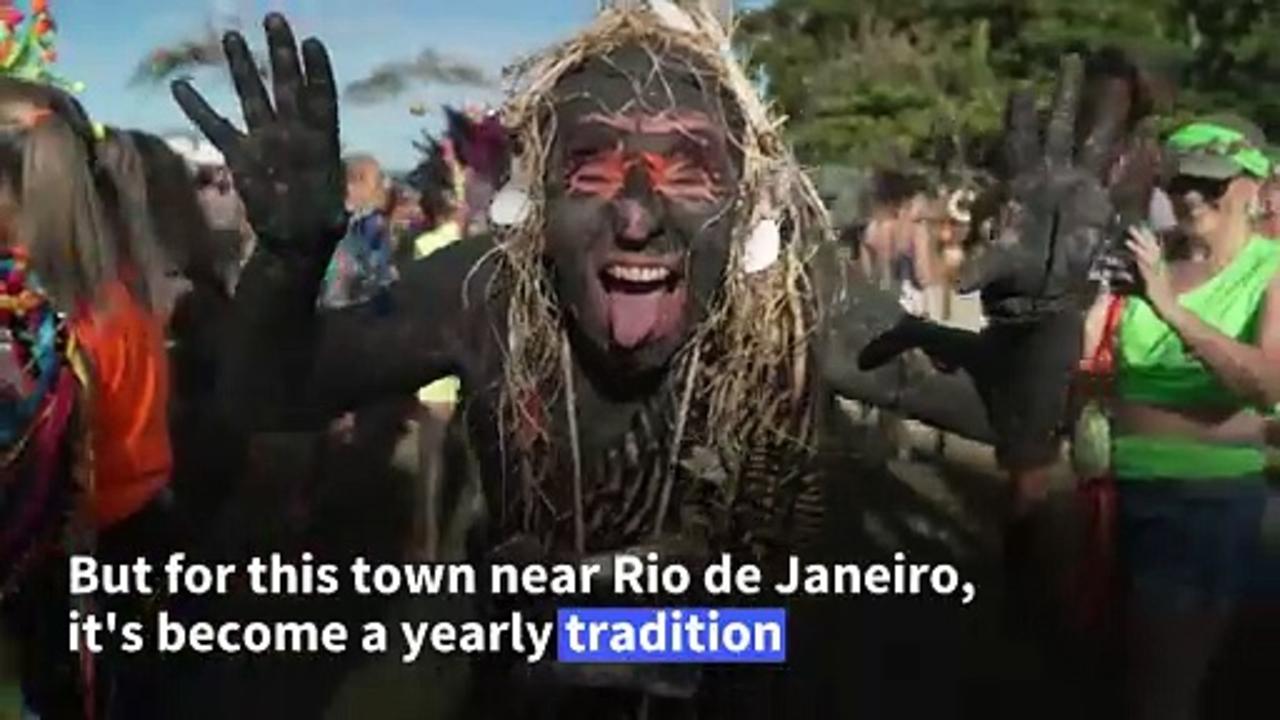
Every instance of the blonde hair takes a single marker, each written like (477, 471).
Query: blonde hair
(60, 220)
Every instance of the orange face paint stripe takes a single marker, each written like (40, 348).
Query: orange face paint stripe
(672, 177)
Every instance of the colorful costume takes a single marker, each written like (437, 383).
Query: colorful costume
(126, 346)
(45, 476)
(26, 53)
(112, 342)
(361, 266)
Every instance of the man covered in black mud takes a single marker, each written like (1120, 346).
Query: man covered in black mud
(647, 354)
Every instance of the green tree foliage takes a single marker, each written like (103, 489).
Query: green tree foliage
(864, 87)
(879, 80)
(1235, 58)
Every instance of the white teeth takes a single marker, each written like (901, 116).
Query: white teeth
(638, 273)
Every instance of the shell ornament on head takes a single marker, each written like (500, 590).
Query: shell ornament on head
(960, 205)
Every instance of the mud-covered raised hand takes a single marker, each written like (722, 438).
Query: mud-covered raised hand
(1050, 216)
(286, 164)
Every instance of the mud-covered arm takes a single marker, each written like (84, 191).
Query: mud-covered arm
(285, 364)
(854, 312)
(1040, 230)
(282, 364)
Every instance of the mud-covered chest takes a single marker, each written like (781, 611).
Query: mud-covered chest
(656, 477)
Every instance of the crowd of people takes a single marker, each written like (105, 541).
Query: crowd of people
(608, 358)
(912, 240)
(1175, 386)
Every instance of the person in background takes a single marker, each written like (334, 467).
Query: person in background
(404, 212)
(1197, 381)
(896, 253)
(227, 221)
(896, 246)
(86, 240)
(208, 454)
(439, 182)
(348, 278)
(949, 216)
(361, 268)
(213, 186)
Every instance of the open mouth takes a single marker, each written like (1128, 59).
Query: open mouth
(644, 299)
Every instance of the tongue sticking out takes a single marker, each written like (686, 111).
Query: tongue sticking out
(637, 317)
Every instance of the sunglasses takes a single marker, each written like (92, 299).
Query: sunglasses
(1209, 189)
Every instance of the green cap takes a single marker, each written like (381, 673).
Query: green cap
(1220, 148)
(1273, 154)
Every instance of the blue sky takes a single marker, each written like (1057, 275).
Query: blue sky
(101, 42)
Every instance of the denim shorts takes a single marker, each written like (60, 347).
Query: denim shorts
(1190, 545)
(1265, 585)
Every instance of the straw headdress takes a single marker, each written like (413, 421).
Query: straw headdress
(748, 358)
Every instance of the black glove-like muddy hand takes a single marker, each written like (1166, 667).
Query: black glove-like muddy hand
(287, 165)
(1048, 220)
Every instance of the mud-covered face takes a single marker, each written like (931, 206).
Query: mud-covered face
(640, 193)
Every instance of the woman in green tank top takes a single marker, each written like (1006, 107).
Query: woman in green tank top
(1197, 382)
